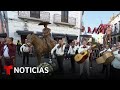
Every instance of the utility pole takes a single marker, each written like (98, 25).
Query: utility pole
(1, 18)
(6, 22)
(81, 14)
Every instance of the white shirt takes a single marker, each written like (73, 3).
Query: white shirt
(77, 47)
(116, 62)
(6, 50)
(59, 51)
(105, 50)
(24, 49)
(71, 50)
(81, 49)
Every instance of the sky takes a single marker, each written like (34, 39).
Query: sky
(94, 18)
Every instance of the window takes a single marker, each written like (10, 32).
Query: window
(35, 14)
(64, 16)
(115, 29)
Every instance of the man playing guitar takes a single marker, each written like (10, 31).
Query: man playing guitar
(115, 65)
(85, 64)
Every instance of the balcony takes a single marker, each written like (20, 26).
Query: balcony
(71, 20)
(44, 16)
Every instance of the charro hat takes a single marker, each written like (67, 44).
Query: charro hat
(44, 23)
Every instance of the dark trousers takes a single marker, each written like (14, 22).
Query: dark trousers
(72, 63)
(60, 62)
(115, 73)
(106, 69)
(1, 66)
(91, 58)
(18, 50)
(25, 55)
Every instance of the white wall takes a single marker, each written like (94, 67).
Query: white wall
(116, 20)
(14, 24)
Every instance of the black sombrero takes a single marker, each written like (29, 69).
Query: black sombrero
(44, 23)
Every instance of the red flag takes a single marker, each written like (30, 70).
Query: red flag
(94, 30)
(82, 29)
(89, 30)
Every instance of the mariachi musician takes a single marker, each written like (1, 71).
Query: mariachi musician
(59, 50)
(115, 65)
(72, 52)
(106, 67)
(85, 64)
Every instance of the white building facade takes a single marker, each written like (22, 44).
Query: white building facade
(115, 22)
(63, 23)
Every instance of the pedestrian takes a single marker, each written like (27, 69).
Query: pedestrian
(25, 49)
(71, 52)
(8, 53)
(85, 65)
(59, 50)
(1, 67)
(18, 47)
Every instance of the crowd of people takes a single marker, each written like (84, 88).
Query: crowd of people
(62, 51)
(111, 70)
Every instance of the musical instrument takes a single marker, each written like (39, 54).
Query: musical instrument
(80, 58)
(106, 58)
(100, 60)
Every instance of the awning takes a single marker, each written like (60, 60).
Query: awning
(3, 35)
(39, 33)
(71, 37)
(88, 36)
(56, 35)
(24, 32)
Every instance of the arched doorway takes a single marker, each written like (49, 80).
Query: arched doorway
(114, 40)
(118, 38)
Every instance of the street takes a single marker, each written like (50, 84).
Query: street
(95, 71)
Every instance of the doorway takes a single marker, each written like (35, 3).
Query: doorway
(23, 37)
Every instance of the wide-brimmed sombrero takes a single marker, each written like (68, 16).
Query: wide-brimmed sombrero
(44, 23)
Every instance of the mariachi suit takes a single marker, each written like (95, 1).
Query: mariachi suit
(71, 52)
(105, 67)
(85, 64)
(115, 66)
(59, 51)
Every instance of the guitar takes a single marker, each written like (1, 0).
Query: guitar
(81, 57)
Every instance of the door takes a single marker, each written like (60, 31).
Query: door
(23, 37)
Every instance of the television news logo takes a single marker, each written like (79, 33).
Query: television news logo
(25, 69)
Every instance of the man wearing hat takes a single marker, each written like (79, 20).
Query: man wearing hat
(46, 34)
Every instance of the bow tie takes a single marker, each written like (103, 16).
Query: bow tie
(84, 47)
(118, 52)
